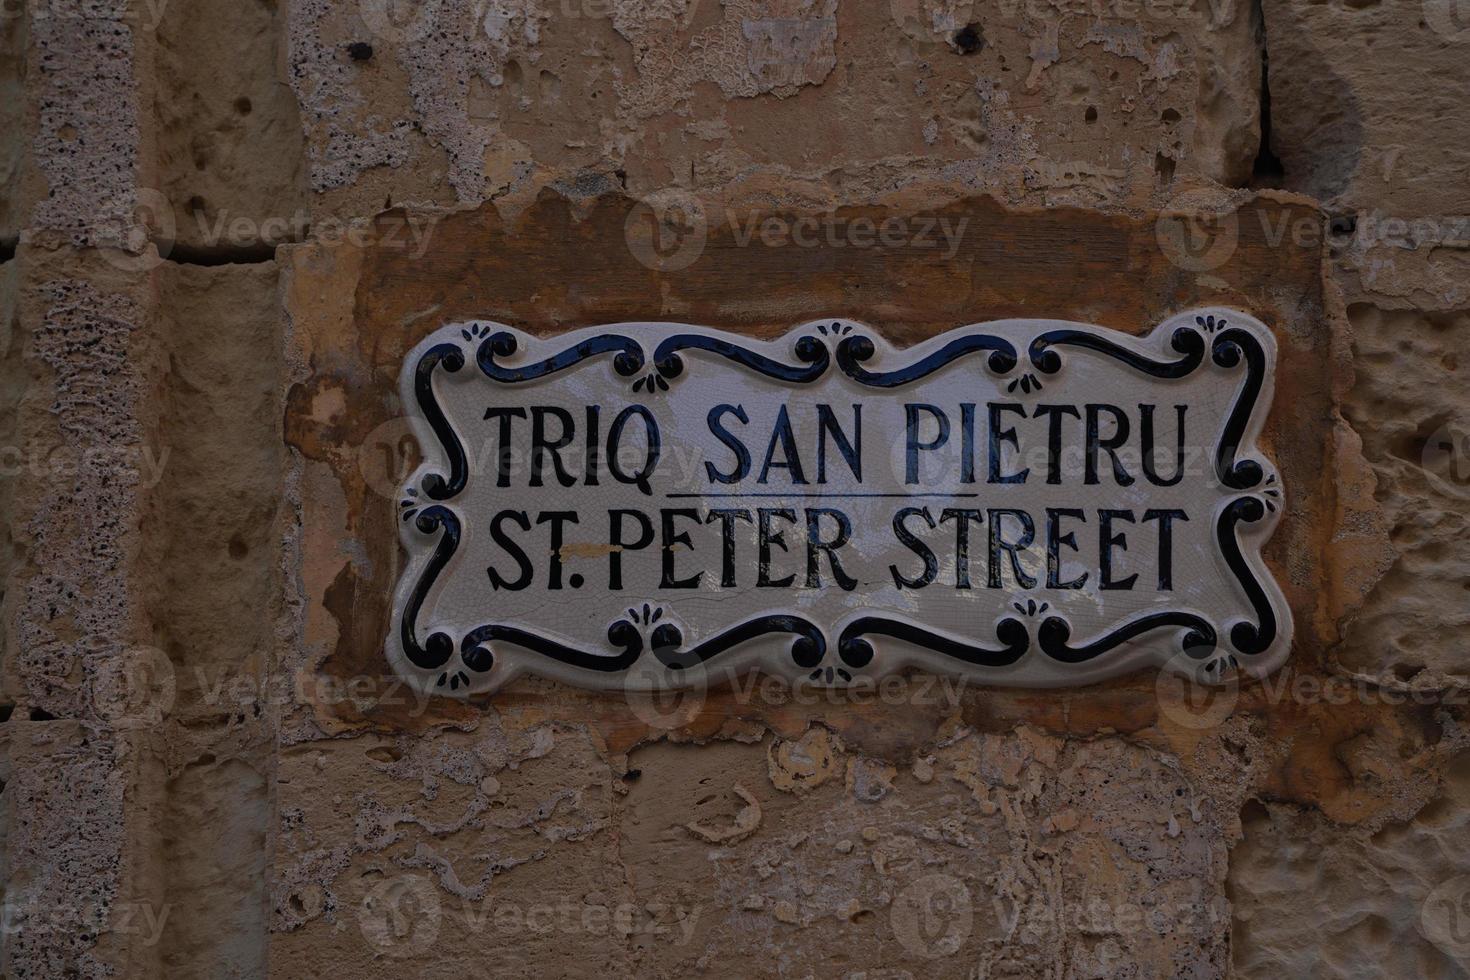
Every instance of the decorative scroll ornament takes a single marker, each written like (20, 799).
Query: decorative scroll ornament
(1022, 503)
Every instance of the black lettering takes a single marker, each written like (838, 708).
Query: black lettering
(911, 439)
(506, 446)
(998, 543)
(766, 537)
(918, 547)
(594, 414)
(1146, 436)
(517, 554)
(815, 547)
(967, 443)
(618, 545)
(1054, 414)
(672, 538)
(1106, 541)
(742, 455)
(651, 452)
(557, 519)
(782, 435)
(1055, 541)
(1110, 445)
(851, 451)
(998, 436)
(727, 519)
(1166, 519)
(541, 447)
(962, 518)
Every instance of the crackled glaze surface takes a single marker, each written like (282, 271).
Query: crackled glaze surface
(710, 504)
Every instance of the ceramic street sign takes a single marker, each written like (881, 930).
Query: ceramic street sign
(1023, 502)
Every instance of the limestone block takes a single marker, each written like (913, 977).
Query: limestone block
(86, 439)
(1312, 898)
(1408, 404)
(456, 102)
(229, 142)
(455, 852)
(219, 508)
(1368, 108)
(88, 73)
(82, 895)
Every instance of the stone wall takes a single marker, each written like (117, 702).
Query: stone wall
(225, 221)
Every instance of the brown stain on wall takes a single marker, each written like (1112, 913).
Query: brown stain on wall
(563, 264)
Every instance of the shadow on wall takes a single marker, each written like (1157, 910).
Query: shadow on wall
(1311, 122)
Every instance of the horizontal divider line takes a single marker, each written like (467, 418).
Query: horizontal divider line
(906, 496)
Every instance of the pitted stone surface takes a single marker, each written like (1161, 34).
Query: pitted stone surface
(85, 99)
(284, 824)
(76, 608)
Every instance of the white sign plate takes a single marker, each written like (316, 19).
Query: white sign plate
(1022, 502)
